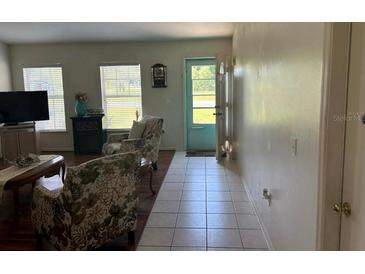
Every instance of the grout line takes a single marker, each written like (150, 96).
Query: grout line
(177, 216)
(239, 232)
(205, 201)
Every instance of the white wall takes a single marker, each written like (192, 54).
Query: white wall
(278, 80)
(80, 62)
(5, 79)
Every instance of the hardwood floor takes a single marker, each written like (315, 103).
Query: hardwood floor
(20, 236)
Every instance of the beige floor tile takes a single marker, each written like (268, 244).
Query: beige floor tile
(220, 207)
(253, 239)
(190, 179)
(191, 220)
(172, 186)
(215, 172)
(224, 249)
(189, 237)
(167, 220)
(194, 187)
(174, 179)
(176, 172)
(157, 237)
(213, 208)
(188, 248)
(221, 221)
(215, 179)
(219, 196)
(197, 172)
(169, 195)
(153, 248)
(224, 238)
(243, 208)
(193, 196)
(218, 187)
(166, 206)
(247, 221)
(192, 207)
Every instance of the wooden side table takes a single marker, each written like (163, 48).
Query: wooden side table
(47, 169)
(145, 167)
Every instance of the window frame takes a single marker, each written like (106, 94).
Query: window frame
(52, 65)
(102, 88)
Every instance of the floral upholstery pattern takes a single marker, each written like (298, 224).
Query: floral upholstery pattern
(148, 146)
(97, 203)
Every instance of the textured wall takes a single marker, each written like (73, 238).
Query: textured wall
(278, 83)
(80, 62)
(5, 79)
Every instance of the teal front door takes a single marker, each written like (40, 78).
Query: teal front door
(200, 104)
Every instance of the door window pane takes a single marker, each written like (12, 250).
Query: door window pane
(203, 116)
(201, 87)
(204, 101)
(203, 94)
(203, 72)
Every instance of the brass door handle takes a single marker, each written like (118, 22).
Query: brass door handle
(344, 208)
(336, 208)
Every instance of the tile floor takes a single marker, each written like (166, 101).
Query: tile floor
(202, 205)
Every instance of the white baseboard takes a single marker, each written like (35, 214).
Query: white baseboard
(264, 230)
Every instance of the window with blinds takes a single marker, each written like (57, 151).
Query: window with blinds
(121, 92)
(50, 79)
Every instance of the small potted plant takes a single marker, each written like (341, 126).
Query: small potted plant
(80, 105)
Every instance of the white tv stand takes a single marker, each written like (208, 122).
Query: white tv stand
(19, 139)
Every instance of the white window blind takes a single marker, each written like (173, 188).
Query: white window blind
(121, 92)
(50, 79)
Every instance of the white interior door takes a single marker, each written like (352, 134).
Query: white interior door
(353, 225)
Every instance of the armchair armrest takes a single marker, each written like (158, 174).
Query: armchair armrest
(46, 207)
(117, 137)
(137, 143)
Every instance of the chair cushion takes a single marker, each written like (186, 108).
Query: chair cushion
(153, 125)
(137, 130)
(51, 184)
(112, 148)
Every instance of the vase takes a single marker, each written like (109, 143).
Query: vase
(80, 108)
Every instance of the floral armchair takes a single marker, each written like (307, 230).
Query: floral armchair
(97, 203)
(148, 146)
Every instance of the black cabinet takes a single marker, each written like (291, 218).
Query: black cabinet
(88, 134)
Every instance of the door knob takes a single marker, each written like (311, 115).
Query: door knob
(346, 209)
(218, 113)
(336, 207)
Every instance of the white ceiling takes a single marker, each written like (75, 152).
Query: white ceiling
(17, 33)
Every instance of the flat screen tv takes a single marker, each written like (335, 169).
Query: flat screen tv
(23, 106)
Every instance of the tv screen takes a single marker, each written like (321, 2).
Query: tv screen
(23, 106)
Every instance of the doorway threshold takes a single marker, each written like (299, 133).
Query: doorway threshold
(200, 153)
